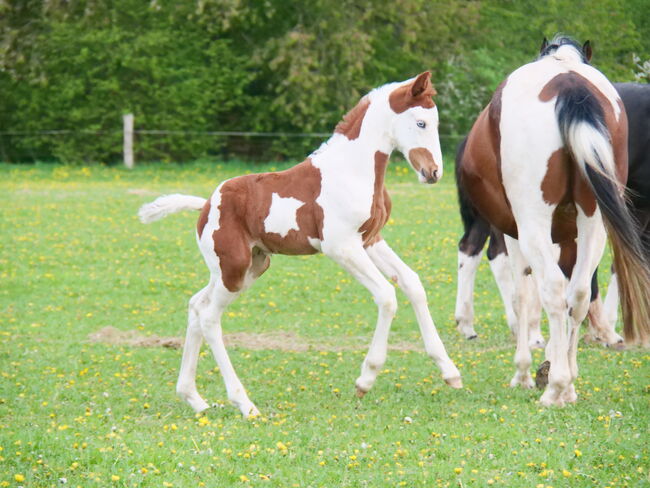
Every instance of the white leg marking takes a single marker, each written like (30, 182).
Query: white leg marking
(464, 314)
(186, 385)
(282, 215)
(611, 302)
(210, 319)
(391, 265)
(535, 337)
(600, 329)
(590, 246)
(502, 272)
(352, 257)
(523, 285)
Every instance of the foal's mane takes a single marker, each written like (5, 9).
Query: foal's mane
(350, 126)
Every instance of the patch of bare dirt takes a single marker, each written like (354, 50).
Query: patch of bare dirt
(112, 335)
(278, 341)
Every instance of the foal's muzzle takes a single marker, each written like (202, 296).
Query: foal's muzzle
(422, 161)
(430, 176)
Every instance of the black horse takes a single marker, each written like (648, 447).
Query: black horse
(602, 319)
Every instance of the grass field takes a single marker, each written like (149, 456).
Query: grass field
(74, 259)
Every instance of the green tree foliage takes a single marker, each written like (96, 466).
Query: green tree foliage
(272, 66)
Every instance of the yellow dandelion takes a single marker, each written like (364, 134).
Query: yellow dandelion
(115, 477)
(19, 478)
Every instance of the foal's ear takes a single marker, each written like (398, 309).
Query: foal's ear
(421, 83)
(586, 50)
(544, 45)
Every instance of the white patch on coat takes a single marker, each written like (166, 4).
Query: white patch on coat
(282, 215)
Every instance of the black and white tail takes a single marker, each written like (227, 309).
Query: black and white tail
(582, 124)
(169, 204)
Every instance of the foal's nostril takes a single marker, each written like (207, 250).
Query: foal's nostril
(435, 174)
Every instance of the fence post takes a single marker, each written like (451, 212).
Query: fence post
(128, 141)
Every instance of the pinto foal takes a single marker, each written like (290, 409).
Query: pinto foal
(546, 163)
(334, 202)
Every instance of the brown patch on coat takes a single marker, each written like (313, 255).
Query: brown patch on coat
(350, 126)
(568, 256)
(480, 172)
(555, 182)
(381, 204)
(245, 204)
(418, 93)
(203, 218)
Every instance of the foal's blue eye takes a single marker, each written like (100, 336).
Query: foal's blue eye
(422, 124)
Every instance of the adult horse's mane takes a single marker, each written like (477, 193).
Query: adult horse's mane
(562, 40)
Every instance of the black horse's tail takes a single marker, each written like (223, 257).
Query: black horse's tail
(582, 124)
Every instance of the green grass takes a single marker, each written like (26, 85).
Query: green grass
(74, 259)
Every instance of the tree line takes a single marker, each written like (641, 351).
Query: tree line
(283, 66)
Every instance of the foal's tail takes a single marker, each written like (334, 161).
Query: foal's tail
(582, 125)
(168, 204)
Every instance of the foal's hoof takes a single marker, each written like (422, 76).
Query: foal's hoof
(359, 392)
(251, 412)
(456, 383)
(541, 376)
(472, 337)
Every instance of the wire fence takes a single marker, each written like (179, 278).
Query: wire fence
(158, 144)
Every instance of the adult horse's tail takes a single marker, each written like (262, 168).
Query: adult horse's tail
(584, 132)
(168, 204)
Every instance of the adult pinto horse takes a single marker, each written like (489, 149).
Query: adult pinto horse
(334, 202)
(602, 317)
(545, 163)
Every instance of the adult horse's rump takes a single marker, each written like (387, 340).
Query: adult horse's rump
(546, 163)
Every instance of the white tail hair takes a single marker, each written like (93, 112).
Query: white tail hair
(168, 204)
(590, 146)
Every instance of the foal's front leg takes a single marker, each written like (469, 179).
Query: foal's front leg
(353, 258)
(392, 266)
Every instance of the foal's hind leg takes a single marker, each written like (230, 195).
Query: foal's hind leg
(210, 319)
(186, 385)
(392, 266)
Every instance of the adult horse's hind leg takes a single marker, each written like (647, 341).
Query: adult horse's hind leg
(470, 252)
(501, 269)
(523, 289)
(499, 264)
(590, 246)
(392, 266)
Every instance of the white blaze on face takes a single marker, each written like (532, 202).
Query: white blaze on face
(282, 215)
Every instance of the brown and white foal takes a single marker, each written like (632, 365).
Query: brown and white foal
(334, 202)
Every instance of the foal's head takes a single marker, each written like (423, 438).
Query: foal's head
(414, 126)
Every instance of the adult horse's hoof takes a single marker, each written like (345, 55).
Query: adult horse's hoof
(541, 376)
(359, 392)
(456, 383)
